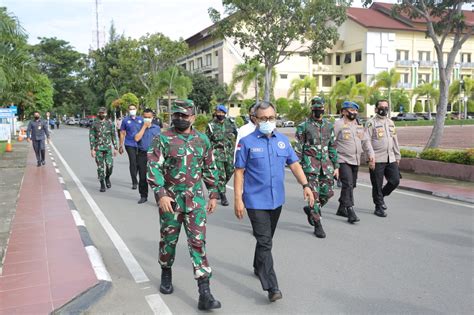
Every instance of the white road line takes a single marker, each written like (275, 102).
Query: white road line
(97, 263)
(67, 194)
(133, 266)
(61, 180)
(157, 305)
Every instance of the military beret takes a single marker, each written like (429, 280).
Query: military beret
(317, 102)
(349, 104)
(183, 106)
(221, 108)
(102, 110)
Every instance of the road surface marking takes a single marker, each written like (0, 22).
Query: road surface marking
(67, 194)
(97, 264)
(157, 305)
(77, 218)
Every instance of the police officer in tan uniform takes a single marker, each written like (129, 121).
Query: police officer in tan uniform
(351, 140)
(383, 136)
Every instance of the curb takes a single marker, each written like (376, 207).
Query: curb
(83, 301)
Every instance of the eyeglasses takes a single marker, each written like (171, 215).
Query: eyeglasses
(265, 119)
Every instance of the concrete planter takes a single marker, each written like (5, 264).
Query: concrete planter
(436, 168)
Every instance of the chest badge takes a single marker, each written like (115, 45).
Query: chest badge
(281, 144)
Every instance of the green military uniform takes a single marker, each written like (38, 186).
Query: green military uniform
(222, 136)
(177, 163)
(316, 149)
(102, 139)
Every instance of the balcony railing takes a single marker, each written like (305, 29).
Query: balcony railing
(404, 63)
(401, 85)
(203, 68)
(467, 65)
(426, 63)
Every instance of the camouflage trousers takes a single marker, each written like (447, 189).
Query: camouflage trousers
(225, 169)
(321, 186)
(105, 163)
(194, 221)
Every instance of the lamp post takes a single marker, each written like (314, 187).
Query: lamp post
(461, 97)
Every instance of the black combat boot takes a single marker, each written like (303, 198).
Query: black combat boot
(107, 178)
(166, 286)
(351, 215)
(307, 210)
(380, 212)
(102, 186)
(341, 211)
(318, 230)
(224, 200)
(206, 300)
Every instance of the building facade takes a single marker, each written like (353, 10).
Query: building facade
(370, 41)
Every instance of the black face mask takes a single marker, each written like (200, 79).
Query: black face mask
(351, 116)
(181, 124)
(220, 117)
(318, 113)
(37, 117)
(382, 111)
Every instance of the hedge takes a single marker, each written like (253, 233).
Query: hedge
(459, 156)
(408, 153)
(447, 122)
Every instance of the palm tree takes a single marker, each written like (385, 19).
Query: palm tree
(307, 83)
(172, 81)
(349, 90)
(430, 91)
(248, 73)
(455, 91)
(389, 80)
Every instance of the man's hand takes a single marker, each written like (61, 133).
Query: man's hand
(121, 150)
(398, 162)
(146, 124)
(115, 152)
(211, 205)
(48, 140)
(336, 173)
(93, 153)
(239, 209)
(308, 196)
(372, 163)
(28, 139)
(165, 204)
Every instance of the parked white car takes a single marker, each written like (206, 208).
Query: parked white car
(288, 123)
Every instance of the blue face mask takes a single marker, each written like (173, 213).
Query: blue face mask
(267, 127)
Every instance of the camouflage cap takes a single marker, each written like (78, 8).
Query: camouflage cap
(102, 110)
(317, 102)
(183, 106)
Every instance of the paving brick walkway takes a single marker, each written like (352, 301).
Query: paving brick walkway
(46, 264)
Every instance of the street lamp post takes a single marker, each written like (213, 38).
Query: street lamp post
(461, 98)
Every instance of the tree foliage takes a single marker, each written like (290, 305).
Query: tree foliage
(308, 84)
(389, 80)
(269, 28)
(204, 89)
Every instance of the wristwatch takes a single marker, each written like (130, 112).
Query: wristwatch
(305, 185)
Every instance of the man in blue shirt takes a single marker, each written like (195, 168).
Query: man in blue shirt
(259, 186)
(131, 124)
(144, 139)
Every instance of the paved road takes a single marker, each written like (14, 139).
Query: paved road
(417, 260)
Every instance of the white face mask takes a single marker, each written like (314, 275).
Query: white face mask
(147, 120)
(132, 112)
(267, 127)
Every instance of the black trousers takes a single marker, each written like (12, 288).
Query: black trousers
(132, 153)
(348, 176)
(38, 146)
(141, 163)
(392, 173)
(264, 223)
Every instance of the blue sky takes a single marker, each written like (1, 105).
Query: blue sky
(74, 20)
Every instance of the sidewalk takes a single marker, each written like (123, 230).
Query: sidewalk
(435, 186)
(46, 264)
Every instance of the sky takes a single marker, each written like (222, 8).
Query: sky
(74, 20)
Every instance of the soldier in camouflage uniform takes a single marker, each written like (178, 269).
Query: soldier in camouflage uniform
(222, 132)
(316, 149)
(102, 138)
(177, 161)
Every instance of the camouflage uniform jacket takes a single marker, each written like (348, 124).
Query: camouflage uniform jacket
(102, 135)
(222, 137)
(177, 162)
(316, 147)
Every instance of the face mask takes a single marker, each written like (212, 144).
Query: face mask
(351, 116)
(220, 117)
(382, 111)
(102, 116)
(181, 124)
(318, 113)
(132, 112)
(267, 127)
(37, 117)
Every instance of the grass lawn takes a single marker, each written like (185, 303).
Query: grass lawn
(3, 144)
(454, 122)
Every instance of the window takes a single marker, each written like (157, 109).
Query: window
(183, 65)
(191, 65)
(358, 56)
(327, 60)
(338, 78)
(302, 76)
(327, 81)
(338, 60)
(232, 105)
(217, 77)
(358, 78)
(208, 60)
(316, 77)
(423, 78)
(303, 54)
(348, 58)
(424, 56)
(402, 55)
(216, 53)
(465, 57)
(404, 78)
(283, 76)
(199, 62)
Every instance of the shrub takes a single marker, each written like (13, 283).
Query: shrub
(201, 122)
(408, 153)
(418, 107)
(459, 156)
(239, 121)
